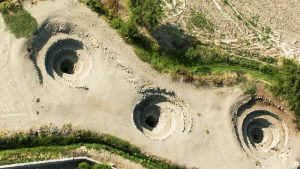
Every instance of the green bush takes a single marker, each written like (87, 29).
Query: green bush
(254, 20)
(96, 6)
(84, 165)
(146, 12)
(200, 21)
(19, 21)
(288, 84)
(208, 56)
(129, 30)
(117, 23)
(101, 166)
(226, 2)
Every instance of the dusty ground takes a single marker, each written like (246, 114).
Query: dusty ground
(194, 125)
(232, 28)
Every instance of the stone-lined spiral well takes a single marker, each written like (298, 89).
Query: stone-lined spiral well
(62, 51)
(159, 115)
(261, 129)
(67, 59)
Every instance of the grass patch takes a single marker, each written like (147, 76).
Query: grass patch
(254, 20)
(226, 2)
(249, 88)
(146, 12)
(25, 155)
(200, 21)
(85, 165)
(221, 68)
(18, 21)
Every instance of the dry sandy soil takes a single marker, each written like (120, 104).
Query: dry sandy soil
(78, 70)
(232, 28)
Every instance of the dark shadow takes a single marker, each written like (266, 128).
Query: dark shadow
(150, 116)
(63, 61)
(40, 38)
(172, 39)
(257, 135)
(146, 113)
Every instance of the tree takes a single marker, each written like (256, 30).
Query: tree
(146, 12)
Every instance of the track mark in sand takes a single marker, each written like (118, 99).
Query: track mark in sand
(10, 107)
(13, 115)
(175, 7)
(223, 13)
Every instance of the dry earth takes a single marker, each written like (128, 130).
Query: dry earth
(78, 70)
(233, 29)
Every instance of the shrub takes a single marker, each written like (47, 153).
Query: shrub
(84, 165)
(249, 88)
(146, 12)
(254, 20)
(96, 6)
(288, 84)
(200, 21)
(101, 166)
(117, 23)
(129, 30)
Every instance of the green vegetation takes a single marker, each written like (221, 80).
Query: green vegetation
(48, 144)
(200, 21)
(267, 30)
(256, 56)
(258, 163)
(214, 57)
(96, 6)
(249, 88)
(18, 20)
(254, 20)
(33, 154)
(146, 12)
(288, 85)
(85, 165)
(101, 166)
(226, 2)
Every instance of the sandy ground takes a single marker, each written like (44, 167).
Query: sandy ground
(196, 127)
(231, 31)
